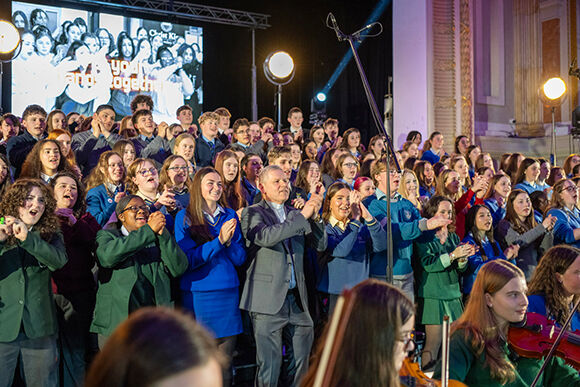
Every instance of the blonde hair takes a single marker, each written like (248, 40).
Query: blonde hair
(406, 194)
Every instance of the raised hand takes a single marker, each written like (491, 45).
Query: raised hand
(19, 230)
(157, 222)
(227, 231)
(298, 203)
(6, 228)
(119, 196)
(463, 251)
(162, 130)
(365, 214)
(512, 251)
(436, 222)
(166, 199)
(66, 213)
(549, 222)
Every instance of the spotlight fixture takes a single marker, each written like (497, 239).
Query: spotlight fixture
(552, 93)
(554, 88)
(279, 69)
(321, 97)
(9, 37)
(9, 43)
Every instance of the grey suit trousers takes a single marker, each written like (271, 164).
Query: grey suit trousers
(268, 330)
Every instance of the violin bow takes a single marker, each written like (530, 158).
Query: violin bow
(556, 343)
(445, 352)
(336, 330)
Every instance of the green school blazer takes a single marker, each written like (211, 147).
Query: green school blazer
(120, 257)
(469, 368)
(25, 290)
(438, 277)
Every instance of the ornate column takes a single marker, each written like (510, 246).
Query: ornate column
(466, 67)
(527, 68)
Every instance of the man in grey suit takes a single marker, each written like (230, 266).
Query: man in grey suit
(275, 291)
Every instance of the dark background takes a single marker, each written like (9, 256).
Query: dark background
(297, 27)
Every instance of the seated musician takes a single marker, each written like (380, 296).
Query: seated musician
(479, 352)
(555, 285)
(376, 340)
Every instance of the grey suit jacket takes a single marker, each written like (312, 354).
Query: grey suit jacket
(269, 244)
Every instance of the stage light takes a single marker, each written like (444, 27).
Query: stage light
(279, 69)
(9, 37)
(554, 88)
(321, 97)
(553, 93)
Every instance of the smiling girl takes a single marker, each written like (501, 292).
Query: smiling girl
(527, 176)
(105, 186)
(174, 175)
(143, 181)
(44, 161)
(75, 284)
(353, 235)
(520, 226)
(137, 256)
(500, 187)
(209, 233)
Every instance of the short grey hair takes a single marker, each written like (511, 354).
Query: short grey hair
(265, 173)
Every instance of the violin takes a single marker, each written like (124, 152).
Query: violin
(536, 336)
(412, 376)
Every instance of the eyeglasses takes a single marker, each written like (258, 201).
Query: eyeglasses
(570, 188)
(136, 209)
(407, 339)
(144, 172)
(350, 165)
(178, 169)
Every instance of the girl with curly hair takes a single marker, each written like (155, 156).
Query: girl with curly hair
(32, 248)
(555, 286)
(479, 354)
(105, 186)
(44, 161)
(75, 285)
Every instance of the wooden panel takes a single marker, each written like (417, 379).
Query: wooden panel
(551, 60)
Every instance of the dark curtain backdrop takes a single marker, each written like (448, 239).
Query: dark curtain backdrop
(299, 28)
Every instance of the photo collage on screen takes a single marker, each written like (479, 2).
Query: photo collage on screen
(76, 60)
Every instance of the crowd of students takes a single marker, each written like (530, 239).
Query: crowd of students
(257, 232)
